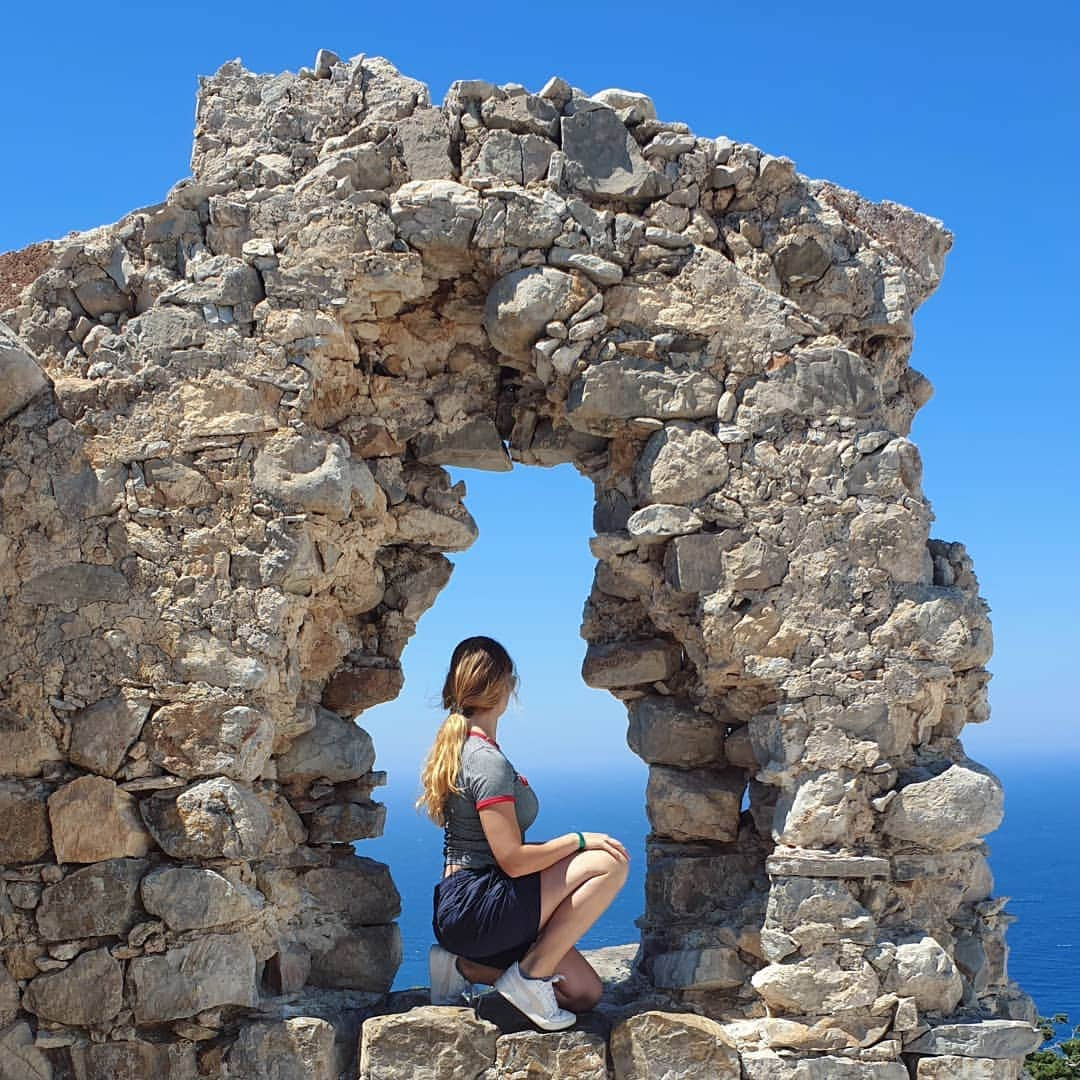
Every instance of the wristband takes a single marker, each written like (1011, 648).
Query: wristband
(581, 841)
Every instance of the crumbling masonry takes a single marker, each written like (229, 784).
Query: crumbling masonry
(224, 425)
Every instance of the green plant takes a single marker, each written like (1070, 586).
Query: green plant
(1060, 1062)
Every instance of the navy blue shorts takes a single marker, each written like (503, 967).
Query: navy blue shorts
(485, 915)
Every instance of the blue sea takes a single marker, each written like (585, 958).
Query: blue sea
(1034, 857)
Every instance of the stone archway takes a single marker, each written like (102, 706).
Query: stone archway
(225, 509)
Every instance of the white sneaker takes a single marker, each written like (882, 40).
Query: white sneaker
(448, 985)
(535, 998)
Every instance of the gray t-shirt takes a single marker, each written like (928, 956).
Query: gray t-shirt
(486, 777)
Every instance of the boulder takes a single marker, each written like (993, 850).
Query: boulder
(213, 970)
(665, 731)
(521, 303)
(695, 804)
(209, 738)
(294, 1048)
(96, 901)
(88, 991)
(21, 379)
(656, 1045)
(428, 1042)
(92, 819)
(949, 810)
(193, 898)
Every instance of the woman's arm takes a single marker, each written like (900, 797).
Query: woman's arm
(515, 858)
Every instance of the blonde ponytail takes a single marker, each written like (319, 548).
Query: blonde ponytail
(439, 775)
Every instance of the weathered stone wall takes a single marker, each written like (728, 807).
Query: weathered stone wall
(225, 421)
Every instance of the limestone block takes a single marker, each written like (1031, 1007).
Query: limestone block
(629, 663)
(560, 1055)
(27, 746)
(473, 444)
(754, 564)
(20, 1059)
(661, 521)
(694, 804)
(924, 971)
(88, 991)
(345, 822)
(981, 1039)
(953, 1067)
(768, 1065)
(21, 379)
(102, 733)
(25, 835)
(659, 1045)
(615, 98)
(425, 144)
(521, 113)
(358, 888)
(821, 810)
(603, 159)
(362, 958)
(817, 911)
(949, 810)
(178, 484)
(90, 492)
(296, 1048)
(802, 862)
(629, 387)
(95, 901)
(939, 623)
(429, 1042)
(816, 986)
(192, 898)
(213, 970)
(209, 738)
(680, 464)
(680, 885)
(223, 405)
(695, 564)
(313, 473)
(219, 818)
(521, 303)
(715, 968)
(433, 214)
(134, 1058)
(894, 539)
(335, 749)
(354, 688)
(445, 532)
(665, 731)
(92, 819)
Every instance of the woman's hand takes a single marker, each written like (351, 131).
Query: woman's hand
(598, 841)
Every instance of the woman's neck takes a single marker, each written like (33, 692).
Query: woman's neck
(484, 723)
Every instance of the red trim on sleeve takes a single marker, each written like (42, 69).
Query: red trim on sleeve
(494, 799)
(523, 780)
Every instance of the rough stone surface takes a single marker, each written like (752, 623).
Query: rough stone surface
(225, 427)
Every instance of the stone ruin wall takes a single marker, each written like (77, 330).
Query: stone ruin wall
(225, 421)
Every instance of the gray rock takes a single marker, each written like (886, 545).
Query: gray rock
(561, 1055)
(629, 386)
(768, 1065)
(472, 444)
(695, 564)
(450, 1041)
(96, 901)
(754, 565)
(630, 663)
(717, 968)
(694, 804)
(949, 810)
(615, 98)
(665, 731)
(523, 302)
(980, 1039)
(90, 492)
(602, 159)
(654, 1045)
(21, 379)
(335, 749)
(952, 1067)
(192, 898)
(661, 521)
(681, 463)
(295, 1048)
(801, 262)
(27, 746)
(602, 271)
(363, 958)
(214, 970)
(827, 864)
(208, 738)
(88, 991)
(425, 143)
(20, 1059)
(102, 733)
(525, 114)
(435, 214)
(345, 822)
(923, 970)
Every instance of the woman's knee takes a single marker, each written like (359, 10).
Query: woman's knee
(611, 865)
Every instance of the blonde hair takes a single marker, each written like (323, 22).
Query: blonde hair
(479, 671)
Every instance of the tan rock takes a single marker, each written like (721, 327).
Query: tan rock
(93, 819)
(654, 1045)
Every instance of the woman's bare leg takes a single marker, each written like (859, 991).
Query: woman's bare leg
(574, 893)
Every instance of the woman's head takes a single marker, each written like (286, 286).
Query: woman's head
(481, 677)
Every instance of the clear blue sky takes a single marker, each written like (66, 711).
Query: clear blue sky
(964, 111)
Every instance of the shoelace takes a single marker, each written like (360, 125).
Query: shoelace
(547, 994)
